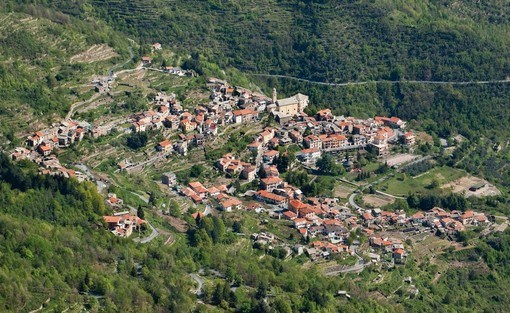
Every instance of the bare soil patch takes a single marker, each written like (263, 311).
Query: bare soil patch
(179, 225)
(343, 191)
(94, 54)
(377, 200)
(401, 159)
(424, 137)
(463, 185)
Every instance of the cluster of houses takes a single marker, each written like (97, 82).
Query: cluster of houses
(386, 245)
(328, 133)
(450, 222)
(220, 195)
(40, 147)
(60, 135)
(123, 224)
(324, 250)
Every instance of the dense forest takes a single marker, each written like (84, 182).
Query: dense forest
(54, 246)
(324, 40)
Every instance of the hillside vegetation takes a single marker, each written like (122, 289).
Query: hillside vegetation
(325, 40)
(341, 41)
(36, 73)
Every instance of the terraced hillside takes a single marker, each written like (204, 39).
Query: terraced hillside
(326, 40)
(37, 70)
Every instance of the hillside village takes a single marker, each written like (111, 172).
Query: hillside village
(276, 156)
(324, 222)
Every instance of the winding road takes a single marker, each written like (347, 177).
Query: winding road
(151, 237)
(356, 268)
(131, 56)
(200, 282)
(353, 203)
(427, 82)
(96, 95)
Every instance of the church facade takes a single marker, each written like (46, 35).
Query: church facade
(291, 106)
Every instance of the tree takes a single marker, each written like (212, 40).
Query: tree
(261, 290)
(434, 184)
(152, 199)
(237, 227)
(284, 162)
(327, 165)
(137, 140)
(140, 212)
(196, 170)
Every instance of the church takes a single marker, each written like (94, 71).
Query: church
(288, 107)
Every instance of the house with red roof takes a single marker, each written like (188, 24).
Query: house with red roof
(269, 156)
(333, 141)
(146, 60)
(398, 256)
(269, 197)
(244, 116)
(123, 225)
(289, 215)
(44, 149)
(312, 141)
(230, 204)
(197, 214)
(270, 183)
(165, 146)
(309, 155)
(408, 139)
(199, 189)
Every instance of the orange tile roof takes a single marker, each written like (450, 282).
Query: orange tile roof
(165, 143)
(268, 195)
(310, 150)
(230, 202)
(271, 153)
(197, 187)
(112, 219)
(243, 112)
(271, 180)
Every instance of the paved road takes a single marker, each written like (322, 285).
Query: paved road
(131, 56)
(207, 210)
(356, 268)
(200, 282)
(353, 203)
(77, 104)
(151, 237)
(389, 195)
(100, 184)
(143, 198)
(425, 82)
(96, 95)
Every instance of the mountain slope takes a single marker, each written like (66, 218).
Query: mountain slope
(326, 40)
(38, 74)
